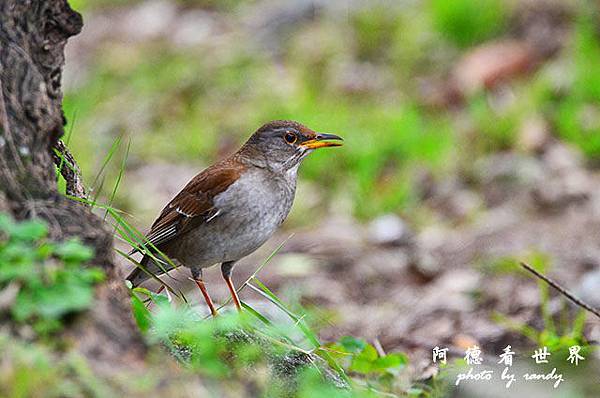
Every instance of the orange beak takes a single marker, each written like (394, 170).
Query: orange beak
(321, 140)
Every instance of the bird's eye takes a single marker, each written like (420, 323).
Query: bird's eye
(290, 138)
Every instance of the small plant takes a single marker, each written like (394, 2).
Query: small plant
(359, 358)
(45, 280)
(558, 332)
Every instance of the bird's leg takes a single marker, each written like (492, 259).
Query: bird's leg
(226, 269)
(197, 277)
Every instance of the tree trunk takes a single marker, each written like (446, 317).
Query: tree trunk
(33, 34)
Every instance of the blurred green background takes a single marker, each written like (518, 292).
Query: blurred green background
(400, 81)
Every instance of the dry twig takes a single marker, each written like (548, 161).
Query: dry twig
(69, 170)
(562, 290)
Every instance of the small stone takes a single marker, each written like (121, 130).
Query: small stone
(383, 263)
(534, 134)
(296, 264)
(193, 28)
(588, 288)
(565, 182)
(152, 19)
(508, 168)
(504, 175)
(456, 203)
(432, 238)
(8, 295)
(560, 157)
(389, 230)
(24, 151)
(559, 193)
(425, 265)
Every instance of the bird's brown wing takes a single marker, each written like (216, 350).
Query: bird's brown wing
(192, 206)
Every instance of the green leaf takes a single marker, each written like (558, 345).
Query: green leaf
(390, 362)
(170, 320)
(18, 270)
(364, 361)
(51, 281)
(141, 314)
(352, 344)
(52, 301)
(158, 299)
(73, 251)
(30, 230)
(415, 392)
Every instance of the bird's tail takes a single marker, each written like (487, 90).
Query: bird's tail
(148, 268)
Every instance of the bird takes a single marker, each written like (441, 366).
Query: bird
(231, 208)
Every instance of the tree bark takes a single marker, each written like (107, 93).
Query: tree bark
(33, 34)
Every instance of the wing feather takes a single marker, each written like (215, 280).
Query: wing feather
(193, 204)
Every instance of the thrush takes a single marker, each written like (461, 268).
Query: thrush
(233, 207)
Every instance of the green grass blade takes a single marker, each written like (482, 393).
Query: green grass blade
(256, 314)
(137, 239)
(115, 145)
(132, 236)
(306, 331)
(119, 177)
(152, 275)
(267, 260)
(579, 325)
(63, 162)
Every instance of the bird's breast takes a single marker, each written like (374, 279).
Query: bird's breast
(252, 208)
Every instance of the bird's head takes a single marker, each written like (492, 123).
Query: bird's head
(284, 143)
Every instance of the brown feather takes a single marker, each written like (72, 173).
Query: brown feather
(195, 201)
